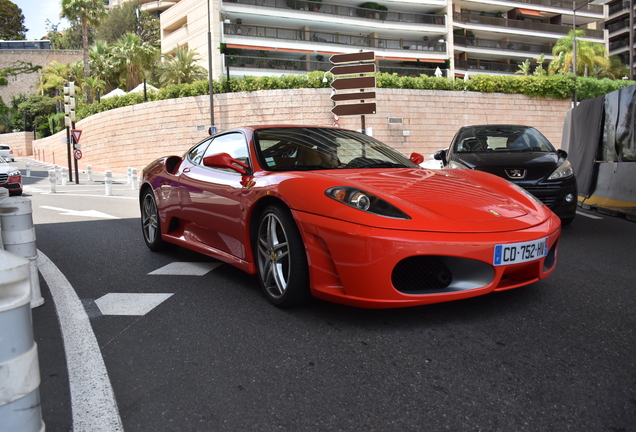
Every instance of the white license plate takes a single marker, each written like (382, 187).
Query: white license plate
(515, 253)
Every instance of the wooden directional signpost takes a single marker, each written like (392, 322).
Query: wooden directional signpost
(353, 88)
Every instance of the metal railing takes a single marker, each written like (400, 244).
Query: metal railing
(484, 65)
(624, 6)
(346, 11)
(502, 45)
(521, 25)
(281, 65)
(620, 25)
(316, 37)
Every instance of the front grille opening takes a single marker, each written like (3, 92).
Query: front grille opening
(421, 274)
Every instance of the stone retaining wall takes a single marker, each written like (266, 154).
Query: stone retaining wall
(409, 120)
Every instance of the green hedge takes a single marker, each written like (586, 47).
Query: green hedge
(547, 86)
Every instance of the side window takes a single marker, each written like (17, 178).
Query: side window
(196, 153)
(233, 144)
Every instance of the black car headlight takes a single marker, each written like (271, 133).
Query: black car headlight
(563, 171)
(365, 201)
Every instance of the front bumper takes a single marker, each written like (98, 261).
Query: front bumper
(356, 265)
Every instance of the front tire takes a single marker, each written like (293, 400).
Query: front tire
(150, 223)
(282, 259)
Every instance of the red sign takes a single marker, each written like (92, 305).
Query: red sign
(78, 154)
(76, 135)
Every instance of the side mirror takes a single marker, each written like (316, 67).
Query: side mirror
(441, 156)
(562, 154)
(225, 161)
(416, 158)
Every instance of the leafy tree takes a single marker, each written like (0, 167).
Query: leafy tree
(134, 57)
(70, 39)
(5, 117)
(93, 84)
(35, 110)
(524, 68)
(11, 21)
(53, 77)
(119, 21)
(182, 68)
(588, 54)
(87, 13)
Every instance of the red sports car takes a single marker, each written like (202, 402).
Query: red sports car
(338, 215)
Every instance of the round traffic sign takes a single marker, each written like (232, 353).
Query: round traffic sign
(78, 154)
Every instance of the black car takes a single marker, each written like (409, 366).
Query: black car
(520, 154)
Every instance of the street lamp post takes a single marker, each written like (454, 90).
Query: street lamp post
(211, 85)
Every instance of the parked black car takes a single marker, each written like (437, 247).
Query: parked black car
(520, 154)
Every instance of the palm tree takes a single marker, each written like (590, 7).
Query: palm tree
(102, 64)
(588, 54)
(182, 68)
(92, 84)
(88, 13)
(134, 57)
(53, 77)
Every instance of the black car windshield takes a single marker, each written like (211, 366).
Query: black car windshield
(312, 148)
(500, 138)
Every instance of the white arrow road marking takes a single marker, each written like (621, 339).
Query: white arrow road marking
(138, 304)
(93, 401)
(82, 213)
(186, 268)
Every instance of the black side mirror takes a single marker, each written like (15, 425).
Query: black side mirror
(562, 154)
(441, 156)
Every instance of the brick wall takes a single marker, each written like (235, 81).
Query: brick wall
(29, 83)
(20, 143)
(136, 135)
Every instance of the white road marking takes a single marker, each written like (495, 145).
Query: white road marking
(83, 213)
(131, 304)
(92, 398)
(588, 215)
(186, 268)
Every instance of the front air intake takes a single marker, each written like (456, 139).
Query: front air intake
(421, 274)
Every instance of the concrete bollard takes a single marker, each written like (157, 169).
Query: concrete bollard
(64, 176)
(52, 181)
(129, 173)
(135, 179)
(57, 172)
(4, 193)
(28, 170)
(18, 237)
(89, 172)
(108, 181)
(19, 367)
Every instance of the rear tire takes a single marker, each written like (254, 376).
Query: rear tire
(150, 223)
(282, 260)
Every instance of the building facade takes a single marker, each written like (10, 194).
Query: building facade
(620, 28)
(409, 37)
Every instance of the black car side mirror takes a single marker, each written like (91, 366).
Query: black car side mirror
(562, 154)
(440, 156)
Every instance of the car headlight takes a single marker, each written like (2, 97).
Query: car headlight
(564, 170)
(365, 201)
(456, 165)
(15, 173)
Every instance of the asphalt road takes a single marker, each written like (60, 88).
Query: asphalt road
(558, 355)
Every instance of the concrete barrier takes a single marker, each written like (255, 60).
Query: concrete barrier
(19, 367)
(615, 192)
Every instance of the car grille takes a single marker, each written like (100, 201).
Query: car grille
(4, 178)
(548, 194)
(421, 274)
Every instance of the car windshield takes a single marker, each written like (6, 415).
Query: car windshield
(501, 138)
(299, 148)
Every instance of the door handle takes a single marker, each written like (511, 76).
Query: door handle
(187, 170)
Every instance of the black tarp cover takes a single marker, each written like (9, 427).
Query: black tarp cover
(584, 140)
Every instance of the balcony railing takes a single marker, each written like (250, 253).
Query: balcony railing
(346, 11)
(624, 6)
(563, 4)
(619, 44)
(620, 25)
(502, 45)
(315, 37)
(485, 66)
(521, 25)
(287, 66)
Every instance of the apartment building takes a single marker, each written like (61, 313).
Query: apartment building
(620, 28)
(409, 37)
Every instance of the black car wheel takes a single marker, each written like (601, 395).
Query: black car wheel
(282, 260)
(150, 224)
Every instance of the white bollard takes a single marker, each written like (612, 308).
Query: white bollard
(57, 172)
(19, 366)
(89, 172)
(28, 169)
(129, 180)
(64, 176)
(18, 237)
(135, 179)
(52, 181)
(108, 181)
(4, 193)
